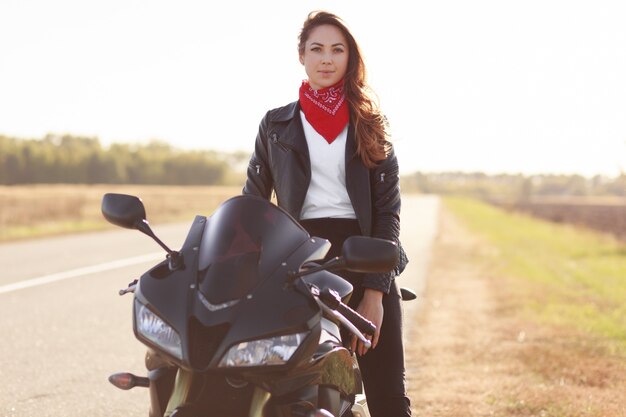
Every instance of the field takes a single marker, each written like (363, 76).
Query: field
(599, 213)
(39, 210)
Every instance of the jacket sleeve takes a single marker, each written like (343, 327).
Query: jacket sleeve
(385, 184)
(259, 180)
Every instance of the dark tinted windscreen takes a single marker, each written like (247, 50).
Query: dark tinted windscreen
(245, 240)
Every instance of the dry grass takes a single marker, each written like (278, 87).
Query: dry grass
(36, 210)
(477, 354)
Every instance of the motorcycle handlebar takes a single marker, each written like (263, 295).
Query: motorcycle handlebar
(332, 300)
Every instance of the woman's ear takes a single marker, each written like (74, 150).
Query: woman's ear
(301, 59)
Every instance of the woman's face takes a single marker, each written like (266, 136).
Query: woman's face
(325, 57)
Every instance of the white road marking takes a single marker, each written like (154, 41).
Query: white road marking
(60, 276)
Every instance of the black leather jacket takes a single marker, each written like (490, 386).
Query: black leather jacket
(281, 163)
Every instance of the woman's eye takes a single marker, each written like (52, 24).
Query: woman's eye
(338, 50)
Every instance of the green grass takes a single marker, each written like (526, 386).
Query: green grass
(567, 276)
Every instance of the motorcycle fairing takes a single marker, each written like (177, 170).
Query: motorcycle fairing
(244, 241)
(270, 243)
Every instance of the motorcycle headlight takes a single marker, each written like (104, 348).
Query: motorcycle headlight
(272, 351)
(153, 328)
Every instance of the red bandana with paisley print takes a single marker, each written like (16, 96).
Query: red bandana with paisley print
(325, 109)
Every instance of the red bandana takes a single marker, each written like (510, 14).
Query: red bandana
(325, 109)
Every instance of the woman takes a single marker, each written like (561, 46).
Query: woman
(328, 159)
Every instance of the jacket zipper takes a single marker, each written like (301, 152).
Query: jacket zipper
(255, 167)
(383, 175)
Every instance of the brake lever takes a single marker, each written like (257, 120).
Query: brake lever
(347, 323)
(340, 317)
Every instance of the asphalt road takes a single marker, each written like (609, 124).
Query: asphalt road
(64, 329)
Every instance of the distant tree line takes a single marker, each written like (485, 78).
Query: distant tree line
(83, 160)
(513, 187)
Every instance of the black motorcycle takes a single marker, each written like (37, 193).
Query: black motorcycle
(244, 320)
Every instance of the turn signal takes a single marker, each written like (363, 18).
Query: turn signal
(126, 381)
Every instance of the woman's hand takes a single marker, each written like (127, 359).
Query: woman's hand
(370, 307)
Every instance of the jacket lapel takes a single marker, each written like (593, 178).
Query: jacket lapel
(358, 184)
(287, 132)
(292, 134)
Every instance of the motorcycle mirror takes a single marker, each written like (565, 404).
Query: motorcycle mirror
(368, 254)
(128, 211)
(359, 254)
(123, 210)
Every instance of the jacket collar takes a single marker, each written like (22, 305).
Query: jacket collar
(294, 137)
(286, 113)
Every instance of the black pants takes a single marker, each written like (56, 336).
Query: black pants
(382, 368)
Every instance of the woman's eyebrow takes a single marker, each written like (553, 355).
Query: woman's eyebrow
(321, 44)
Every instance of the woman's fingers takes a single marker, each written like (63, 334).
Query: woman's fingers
(353, 344)
(357, 346)
(364, 348)
(376, 337)
(371, 307)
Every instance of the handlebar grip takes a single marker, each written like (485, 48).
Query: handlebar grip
(358, 320)
(332, 300)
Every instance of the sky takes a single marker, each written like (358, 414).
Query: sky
(498, 86)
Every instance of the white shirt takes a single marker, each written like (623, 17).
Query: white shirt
(327, 195)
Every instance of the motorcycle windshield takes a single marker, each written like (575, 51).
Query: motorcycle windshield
(244, 241)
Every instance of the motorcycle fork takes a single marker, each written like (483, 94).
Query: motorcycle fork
(182, 388)
(260, 397)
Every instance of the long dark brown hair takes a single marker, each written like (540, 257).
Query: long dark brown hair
(370, 125)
